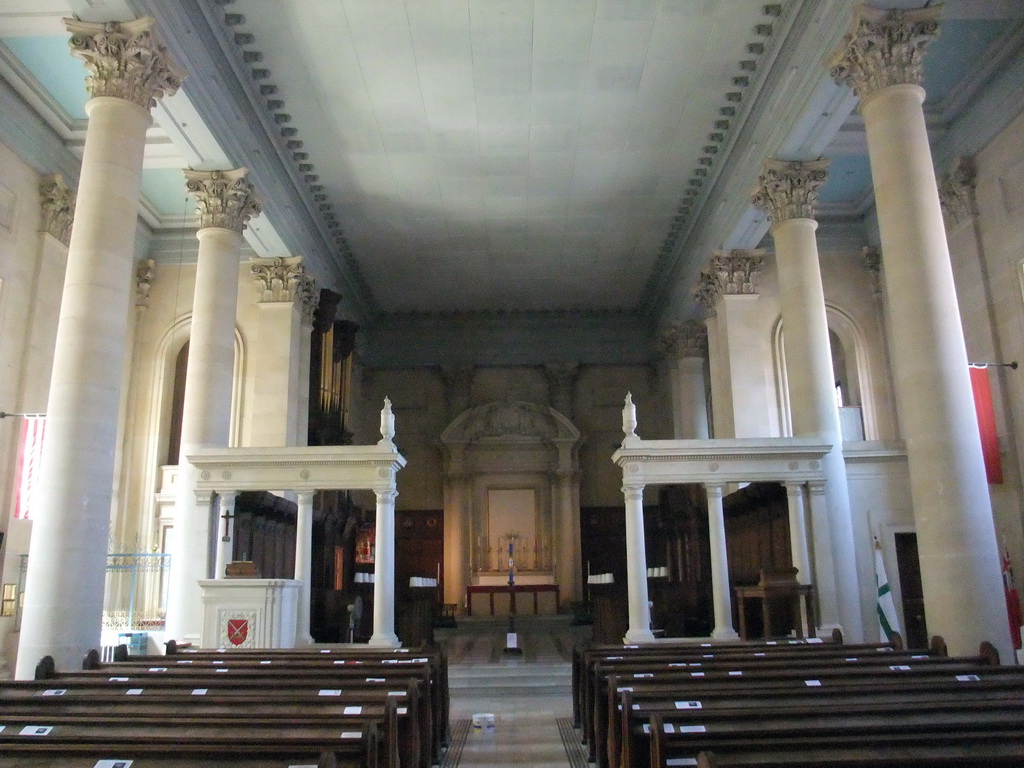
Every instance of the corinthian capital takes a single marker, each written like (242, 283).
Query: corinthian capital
(789, 190)
(58, 204)
(283, 280)
(685, 339)
(956, 191)
(707, 291)
(124, 60)
(225, 199)
(883, 48)
(735, 270)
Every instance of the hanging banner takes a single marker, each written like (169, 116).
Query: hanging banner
(987, 424)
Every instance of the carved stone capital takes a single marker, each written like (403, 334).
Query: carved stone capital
(883, 48)
(143, 281)
(956, 191)
(871, 258)
(280, 280)
(789, 190)
(308, 297)
(707, 291)
(58, 204)
(224, 199)
(684, 339)
(124, 60)
(735, 270)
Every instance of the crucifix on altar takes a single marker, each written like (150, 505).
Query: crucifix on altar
(511, 637)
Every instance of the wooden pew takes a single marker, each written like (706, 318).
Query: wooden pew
(958, 734)
(417, 739)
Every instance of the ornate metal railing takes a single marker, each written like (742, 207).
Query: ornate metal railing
(136, 591)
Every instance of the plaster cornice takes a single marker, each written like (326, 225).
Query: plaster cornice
(227, 99)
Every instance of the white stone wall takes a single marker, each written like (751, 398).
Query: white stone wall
(992, 247)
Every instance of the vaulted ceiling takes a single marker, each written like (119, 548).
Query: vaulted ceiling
(525, 156)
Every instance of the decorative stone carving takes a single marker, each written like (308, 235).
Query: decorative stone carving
(871, 258)
(58, 203)
(883, 48)
(789, 190)
(735, 270)
(562, 385)
(307, 297)
(224, 199)
(143, 281)
(510, 421)
(281, 279)
(685, 339)
(956, 191)
(707, 291)
(124, 60)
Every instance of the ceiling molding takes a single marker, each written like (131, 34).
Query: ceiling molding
(796, 76)
(226, 97)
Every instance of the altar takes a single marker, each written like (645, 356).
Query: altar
(494, 599)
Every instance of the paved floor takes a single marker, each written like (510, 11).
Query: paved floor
(527, 694)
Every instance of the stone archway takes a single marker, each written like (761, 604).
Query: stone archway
(511, 467)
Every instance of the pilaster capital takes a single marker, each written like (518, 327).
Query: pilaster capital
(125, 60)
(735, 270)
(789, 190)
(956, 191)
(58, 203)
(143, 281)
(715, 490)
(684, 339)
(707, 291)
(386, 497)
(871, 259)
(284, 280)
(883, 48)
(305, 498)
(633, 492)
(224, 199)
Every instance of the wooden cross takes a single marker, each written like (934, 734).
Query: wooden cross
(227, 517)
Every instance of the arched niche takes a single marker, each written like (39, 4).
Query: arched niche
(511, 467)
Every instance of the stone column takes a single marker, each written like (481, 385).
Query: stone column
(384, 573)
(304, 563)
(799, 553)
(881, 59)
(129, 70)
(636, 567)
(788, 192)
(721, 590)
(728, 286)
(686, 345)
(226, 202)
(283, 293)
(226, 541)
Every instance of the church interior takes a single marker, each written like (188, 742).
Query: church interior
(368, 308)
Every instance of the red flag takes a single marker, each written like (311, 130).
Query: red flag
(987, 424)
(1012, 600)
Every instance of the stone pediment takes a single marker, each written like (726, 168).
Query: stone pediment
(510, 422)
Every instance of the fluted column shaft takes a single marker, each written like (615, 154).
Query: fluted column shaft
(304, 563)
(881, 58)
(636, 568)
(795, 498)
(67, 555)
(384, 573)
(721, 596)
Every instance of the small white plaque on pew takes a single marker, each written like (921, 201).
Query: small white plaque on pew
(330, 691)
(812, 683)
(113, 764)
(55, 691)
(351, 735)
(199, 691)
(967, 678)
(35, 730)
(689, 705)
(353, 710)
(674, 761)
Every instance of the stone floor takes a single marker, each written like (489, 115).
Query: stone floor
(529, 695)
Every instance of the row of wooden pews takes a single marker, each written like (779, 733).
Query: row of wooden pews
(796, 704)
(351, 707)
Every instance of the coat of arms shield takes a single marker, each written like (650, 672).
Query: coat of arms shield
(238, 631)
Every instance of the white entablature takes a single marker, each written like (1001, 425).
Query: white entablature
(780, 459)
(349, 467)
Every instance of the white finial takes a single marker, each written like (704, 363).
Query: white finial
(629, 416)
(387, 422)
